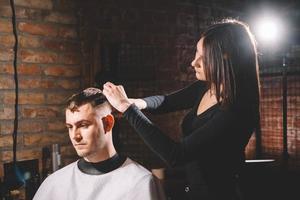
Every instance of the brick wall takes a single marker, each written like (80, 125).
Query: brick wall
(49, 68)
(272, 109)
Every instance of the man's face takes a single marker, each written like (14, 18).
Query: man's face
(86, 131)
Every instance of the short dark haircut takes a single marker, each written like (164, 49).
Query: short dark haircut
(91, 95)
(95, 97)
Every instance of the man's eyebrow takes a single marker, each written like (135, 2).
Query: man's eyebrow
(79, 122)
(83, 121)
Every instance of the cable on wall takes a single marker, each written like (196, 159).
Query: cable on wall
(18, 180)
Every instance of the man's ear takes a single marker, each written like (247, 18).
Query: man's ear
(108, 123)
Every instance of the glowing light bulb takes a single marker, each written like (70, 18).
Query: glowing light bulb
(268, 30)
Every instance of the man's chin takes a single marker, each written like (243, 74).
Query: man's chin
(82, 153)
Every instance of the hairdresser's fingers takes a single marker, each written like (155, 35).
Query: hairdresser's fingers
(116, 98)
(122, 89)
(106, 92)
(111, 88)
(120, 86)
(111, 91)
(107, 87)
(109, 84)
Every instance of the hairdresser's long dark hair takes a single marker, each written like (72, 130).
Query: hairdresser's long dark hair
(231, 66)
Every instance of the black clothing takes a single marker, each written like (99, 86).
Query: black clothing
(101, 167)
(212, 148)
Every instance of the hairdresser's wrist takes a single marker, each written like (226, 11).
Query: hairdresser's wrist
(124, 106)
(140, 103)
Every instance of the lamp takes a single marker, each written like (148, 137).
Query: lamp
(269, 31)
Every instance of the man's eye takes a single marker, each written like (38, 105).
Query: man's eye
(84, 125)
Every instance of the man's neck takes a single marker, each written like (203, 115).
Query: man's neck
(101, 167)
(101, 155)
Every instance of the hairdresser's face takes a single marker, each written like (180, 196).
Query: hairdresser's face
(197, 63)
(86, 131)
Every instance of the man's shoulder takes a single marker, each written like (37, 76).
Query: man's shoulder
(135, 167)
(63, 172)
(143, 183)
(129, 163)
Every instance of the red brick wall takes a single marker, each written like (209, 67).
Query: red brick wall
(49, 68)
(272, 110)
(271, 119)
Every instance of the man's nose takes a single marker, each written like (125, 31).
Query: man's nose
(77, 136)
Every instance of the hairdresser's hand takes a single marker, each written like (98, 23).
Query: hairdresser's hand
(116, 96)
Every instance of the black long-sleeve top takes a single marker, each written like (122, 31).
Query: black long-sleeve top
(212, 147)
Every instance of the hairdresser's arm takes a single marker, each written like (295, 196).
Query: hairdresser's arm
(211, 137)
(182, 99)
(218, 130)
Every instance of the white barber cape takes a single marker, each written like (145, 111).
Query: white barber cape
(131, 181)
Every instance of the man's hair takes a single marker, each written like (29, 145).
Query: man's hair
(91, 95)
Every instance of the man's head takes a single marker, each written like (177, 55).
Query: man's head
(90, 122)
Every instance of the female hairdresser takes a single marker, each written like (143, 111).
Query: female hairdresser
(224, 105)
